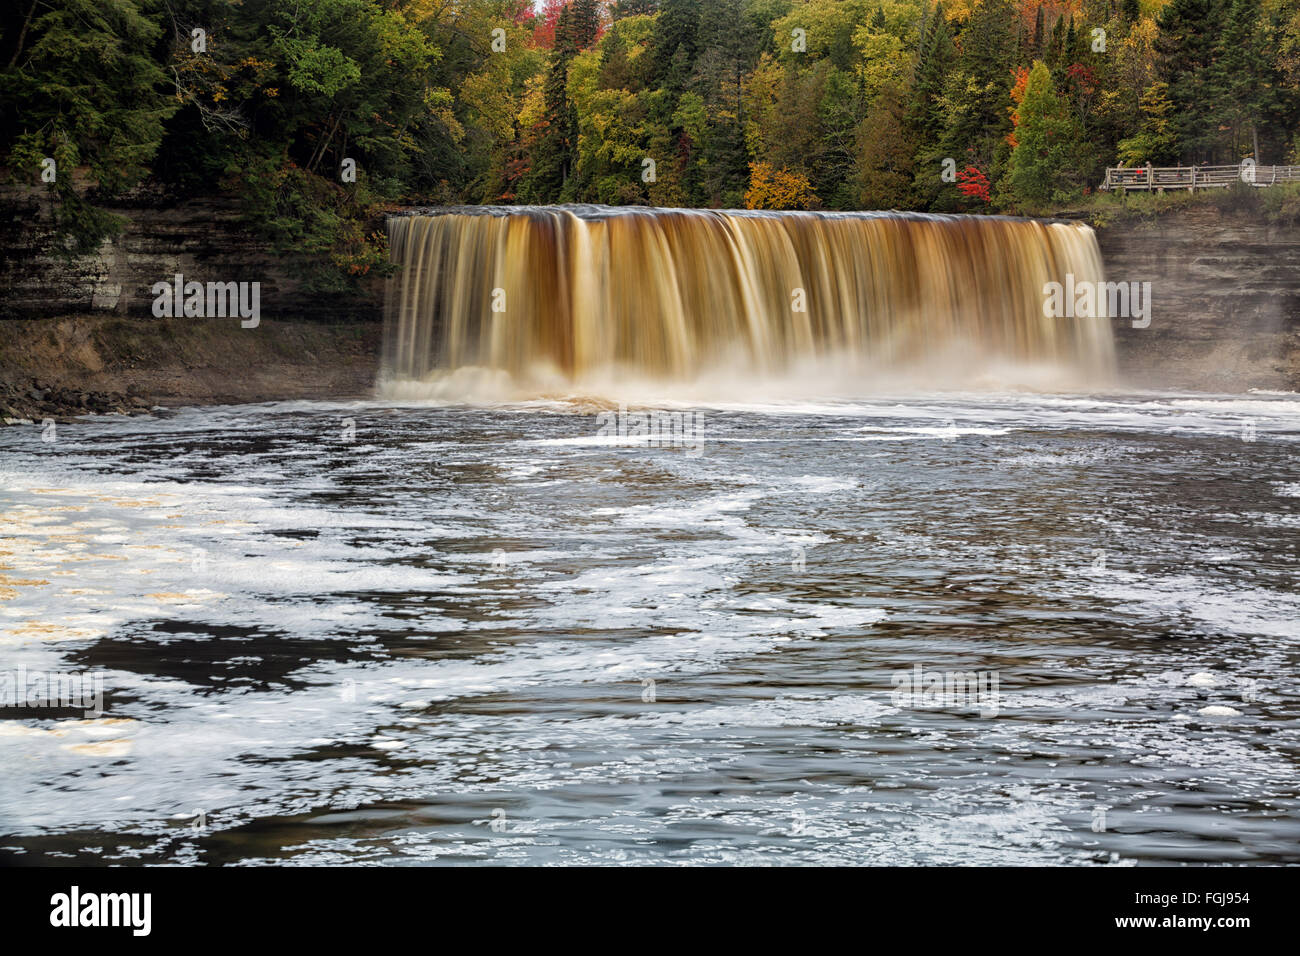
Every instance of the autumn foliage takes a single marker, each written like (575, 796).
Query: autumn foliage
(772, 188)
(973, 184)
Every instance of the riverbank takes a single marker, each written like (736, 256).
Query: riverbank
(79, 336)
(78, 364)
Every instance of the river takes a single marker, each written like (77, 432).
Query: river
(428, 632)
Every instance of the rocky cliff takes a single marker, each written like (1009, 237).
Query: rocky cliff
(1225, 311)
(1225, 293)
(80, 336)
(201, 239)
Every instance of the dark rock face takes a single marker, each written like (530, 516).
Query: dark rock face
(1225, 286)
(35, 401)
(203, 240)
(1225, 291)
(98, 363)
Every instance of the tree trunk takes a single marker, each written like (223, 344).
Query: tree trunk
(320, 150)
(22, 35)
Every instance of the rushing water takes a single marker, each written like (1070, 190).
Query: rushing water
(587, 296)
(374, 647)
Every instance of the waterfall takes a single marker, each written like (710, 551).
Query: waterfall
(580, 293)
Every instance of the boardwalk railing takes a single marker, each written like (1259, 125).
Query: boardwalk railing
(1161, 178)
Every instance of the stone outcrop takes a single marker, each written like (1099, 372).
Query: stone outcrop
(1225, 290)
(1225, 305)
(95, 364)
(36, 400)
(201, 239)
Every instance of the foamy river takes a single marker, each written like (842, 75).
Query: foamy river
(946, 629)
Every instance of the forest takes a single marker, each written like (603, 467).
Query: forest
(316, 116)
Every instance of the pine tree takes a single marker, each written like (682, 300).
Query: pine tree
(1187, 42)
(1056, 44)
(673, 45)
(1045, 140)
(555, 147)
(632, 8)
(728, 51)
(615, 73)
(981, 83)
(1154, 143)
(1242, 80)
(933, 66)
(925, 116)
(584, 23)
(84, 88)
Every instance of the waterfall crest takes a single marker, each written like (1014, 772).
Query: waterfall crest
(574, 294)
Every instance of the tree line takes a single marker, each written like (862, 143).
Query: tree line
(316, 115)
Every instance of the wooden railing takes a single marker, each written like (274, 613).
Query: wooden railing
(1161, 178)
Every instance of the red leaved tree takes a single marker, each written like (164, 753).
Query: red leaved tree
(973, 184)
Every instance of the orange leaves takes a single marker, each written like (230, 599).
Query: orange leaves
(1017, 97)
(772, 188)
(1018, 87)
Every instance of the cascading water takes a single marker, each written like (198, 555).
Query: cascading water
(576, 296)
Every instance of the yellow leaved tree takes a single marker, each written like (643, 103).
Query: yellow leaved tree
(772, 188)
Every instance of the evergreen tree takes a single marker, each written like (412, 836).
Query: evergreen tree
(933, 66)
(632, 8)
(673, 45)
(83, 87)
(615, 73)
(925, 117)
(728, 53)
(1242, 80)
(555, 147)
(584, 23)
(978, 90)
(1056, 44)
(1187, 43)
(1045, 140)
(1154, 143)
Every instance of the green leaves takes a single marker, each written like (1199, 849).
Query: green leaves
(1154, 143)
(85, 73)
(1046, 137)
(315, 68)
(90, 95)
(451, 100)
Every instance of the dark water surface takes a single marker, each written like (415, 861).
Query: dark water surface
(490, 635)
